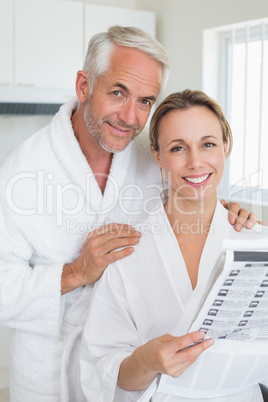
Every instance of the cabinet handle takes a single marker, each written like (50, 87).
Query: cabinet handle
(5, 84)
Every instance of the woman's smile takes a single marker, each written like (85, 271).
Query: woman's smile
(198, 179)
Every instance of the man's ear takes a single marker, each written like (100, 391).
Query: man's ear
(81, 86)
(156, 156)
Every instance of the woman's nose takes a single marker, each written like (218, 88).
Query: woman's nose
(195, 159)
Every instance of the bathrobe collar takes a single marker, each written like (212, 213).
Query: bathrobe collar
(63, 140)
(187, 297)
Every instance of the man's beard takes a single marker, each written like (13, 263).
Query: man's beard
(95, 127)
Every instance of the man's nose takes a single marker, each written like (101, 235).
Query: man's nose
(128, 113)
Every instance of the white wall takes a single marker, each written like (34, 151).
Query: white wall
(180, 25)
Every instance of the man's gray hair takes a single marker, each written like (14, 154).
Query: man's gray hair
(101, 45)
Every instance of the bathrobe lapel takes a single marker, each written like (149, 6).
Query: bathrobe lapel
(79, 171)
(212, 250)
(119, 171)
(172, 258)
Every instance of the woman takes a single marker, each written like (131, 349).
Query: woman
(141, 299)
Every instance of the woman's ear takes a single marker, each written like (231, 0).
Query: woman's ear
(81, 86)
(225, 147)
(156, 156)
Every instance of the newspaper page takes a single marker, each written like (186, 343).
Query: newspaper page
(235, 315)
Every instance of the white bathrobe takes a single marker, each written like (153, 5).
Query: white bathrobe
(146, 295)
(49, 202)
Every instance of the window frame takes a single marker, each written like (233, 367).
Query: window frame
(227, 37)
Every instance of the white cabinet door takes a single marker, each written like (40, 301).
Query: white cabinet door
(48, 43)
(99, 18)
(6, 43)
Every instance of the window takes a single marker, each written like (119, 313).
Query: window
(244, 97)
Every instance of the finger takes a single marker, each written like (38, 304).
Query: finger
(124, 233)
(234, 209)
(100, 240)
(99, 247)
(117, 243)
(101, 262)
(188, 356)
(184, 341)
(106, 243)
(261, 223)
(113, 230)
(167, 338)
(115, 227)
(224, 203)
(252, 219)
(117, 255)
(241, 219)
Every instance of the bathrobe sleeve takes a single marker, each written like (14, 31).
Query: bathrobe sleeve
(30, 279)
(109, 337)
(30, 294)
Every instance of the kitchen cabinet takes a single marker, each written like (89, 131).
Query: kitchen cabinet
(6, 43)
(43, 44)
(48, 43)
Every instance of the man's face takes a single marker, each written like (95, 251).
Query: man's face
(122, 99)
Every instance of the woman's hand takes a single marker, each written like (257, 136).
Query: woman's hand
(166, 354)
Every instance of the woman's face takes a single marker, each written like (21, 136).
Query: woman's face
(191, 152)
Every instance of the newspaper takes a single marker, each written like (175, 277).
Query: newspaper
(235, 315)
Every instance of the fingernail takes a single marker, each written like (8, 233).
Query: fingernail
(238, 226)
(210, 342)
(249, 225)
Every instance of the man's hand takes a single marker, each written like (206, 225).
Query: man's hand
(166, 354)
(97, 253)
(240, 217)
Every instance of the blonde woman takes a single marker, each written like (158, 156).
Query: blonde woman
(142, 298)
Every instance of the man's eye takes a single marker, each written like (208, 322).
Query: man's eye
(146, 102)
(117, 93)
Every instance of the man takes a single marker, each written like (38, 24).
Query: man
(61, 192)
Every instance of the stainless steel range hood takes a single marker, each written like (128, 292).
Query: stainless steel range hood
(28, 108)
(31, 101)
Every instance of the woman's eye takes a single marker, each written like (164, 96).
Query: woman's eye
(176, 149)
(209, 145)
